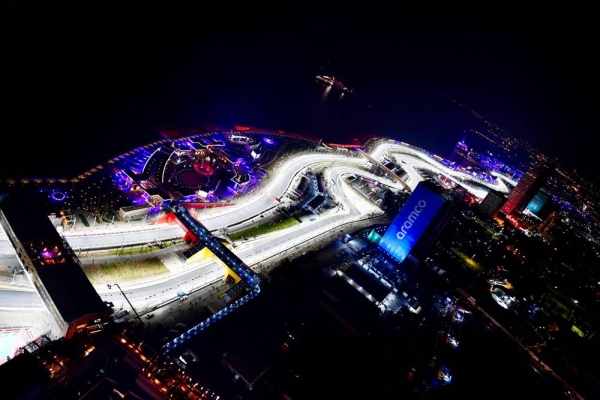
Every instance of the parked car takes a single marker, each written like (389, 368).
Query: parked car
(122, 313)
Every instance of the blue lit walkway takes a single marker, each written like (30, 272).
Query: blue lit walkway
(206, 239)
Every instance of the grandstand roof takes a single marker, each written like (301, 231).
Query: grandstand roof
(59, 272)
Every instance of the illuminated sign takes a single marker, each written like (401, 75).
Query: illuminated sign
(538, 201)
(410, 223)
(374, 237)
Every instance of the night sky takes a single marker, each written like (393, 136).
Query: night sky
(81, 87)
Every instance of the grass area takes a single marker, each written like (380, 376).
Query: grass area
(261, 229)
(124, 271)
(144, 248)
(556, 305)
(83, 220)
(468, 261)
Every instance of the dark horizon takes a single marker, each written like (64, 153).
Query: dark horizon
(82, 104)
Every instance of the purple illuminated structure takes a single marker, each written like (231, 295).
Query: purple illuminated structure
(58, 196)
(210, 166)
(54, 252)
(51, 255)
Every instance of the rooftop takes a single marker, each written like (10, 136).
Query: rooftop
(56, 265)
(249, 366)
(367, 281)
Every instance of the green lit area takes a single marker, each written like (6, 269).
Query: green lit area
(486, 228)
(557, 306)
(578, 331)
(374, 237)
(583, 329)
(469, 261)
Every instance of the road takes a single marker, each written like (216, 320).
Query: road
(259, 252)
(411, 159)
(20, 298)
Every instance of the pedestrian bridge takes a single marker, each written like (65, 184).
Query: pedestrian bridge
(247, 283)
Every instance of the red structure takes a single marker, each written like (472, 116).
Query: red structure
(528, 186)
(171, 219)
(200, 205)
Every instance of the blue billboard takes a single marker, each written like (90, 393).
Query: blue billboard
(410, 223)
(538, 201)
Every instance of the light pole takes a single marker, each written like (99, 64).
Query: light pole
(121, 290)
